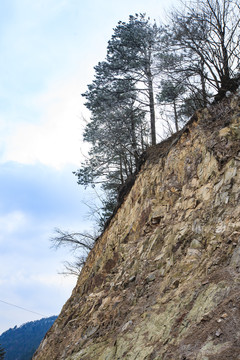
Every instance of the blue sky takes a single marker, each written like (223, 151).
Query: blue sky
(48, 50)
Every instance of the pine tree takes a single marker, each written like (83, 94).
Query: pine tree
(120, 98)
(132, 52)
(117, 135)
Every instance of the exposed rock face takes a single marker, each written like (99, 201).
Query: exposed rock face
(163, 281)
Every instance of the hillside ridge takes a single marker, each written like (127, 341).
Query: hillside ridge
(21, 342)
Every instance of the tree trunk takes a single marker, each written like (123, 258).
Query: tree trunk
(225, 80)
(152, 109)
(203, 84)
(121, 171)
(134, 140)
(175, 115)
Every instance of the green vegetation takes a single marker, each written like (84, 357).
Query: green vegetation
(2, 353)
(20, 343)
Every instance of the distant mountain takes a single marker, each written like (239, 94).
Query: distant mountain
(20, 343)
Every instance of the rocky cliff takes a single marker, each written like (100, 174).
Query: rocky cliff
(163, 281)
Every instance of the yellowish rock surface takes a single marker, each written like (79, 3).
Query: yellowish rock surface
(163, 281)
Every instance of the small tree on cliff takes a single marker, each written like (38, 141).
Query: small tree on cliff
(79, 243)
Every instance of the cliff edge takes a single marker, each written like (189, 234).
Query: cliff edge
(163, 281)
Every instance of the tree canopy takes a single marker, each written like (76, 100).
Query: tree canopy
(207, 35)
(151, 72)
(120, 98)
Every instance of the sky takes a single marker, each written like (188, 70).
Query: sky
(48, 51)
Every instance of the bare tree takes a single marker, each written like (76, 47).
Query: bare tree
(79, 243)
(208, 33)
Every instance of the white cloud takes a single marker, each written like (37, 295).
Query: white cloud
(55, 280)
(56, 139)
(28, 273)
(23, 279)
(44, 294)
(12, 222)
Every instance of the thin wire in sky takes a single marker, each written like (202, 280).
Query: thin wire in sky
(22, 308)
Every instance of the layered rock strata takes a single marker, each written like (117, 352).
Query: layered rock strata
(163, 281)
